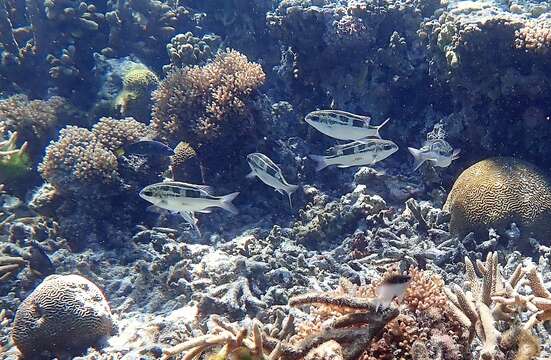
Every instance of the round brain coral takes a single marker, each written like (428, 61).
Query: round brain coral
(497, 192)
(64, 313)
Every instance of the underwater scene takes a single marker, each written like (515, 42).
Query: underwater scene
(275, 179)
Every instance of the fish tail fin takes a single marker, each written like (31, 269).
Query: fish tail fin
(418, 158)
(455, 154)
(290, 190)
(380, 126)
(227, 203)
(320, 161)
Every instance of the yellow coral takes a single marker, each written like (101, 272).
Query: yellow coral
(498, 191)
(134, 99)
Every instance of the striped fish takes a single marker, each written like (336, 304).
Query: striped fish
(343, 125)
(270, 174)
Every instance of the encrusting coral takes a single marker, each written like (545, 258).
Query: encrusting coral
(497, 192)
(209, 107)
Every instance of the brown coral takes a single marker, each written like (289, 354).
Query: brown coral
(184, 164)
(81, 157)
(63, 313)
(497, 192)
(534, 37)
(34, 120)
(113, 133)
(424, 315)
(208, 107)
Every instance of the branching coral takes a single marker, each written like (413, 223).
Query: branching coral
(34, 120)
(81, 158)
(534, 37)
(235, 344)
(209, 107)
(492, 303)
(424, 316)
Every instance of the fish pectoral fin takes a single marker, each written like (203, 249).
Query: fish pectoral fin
(251, 175)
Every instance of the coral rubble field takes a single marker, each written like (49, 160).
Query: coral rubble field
(106, 106)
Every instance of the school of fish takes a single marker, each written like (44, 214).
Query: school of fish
(364, 147)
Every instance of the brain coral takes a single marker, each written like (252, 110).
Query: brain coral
(64, 313)
(498, 191)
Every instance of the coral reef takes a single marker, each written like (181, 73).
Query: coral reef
(496, 192)
(355, 55)
(64, 313)
(210, 108)
(490, 66)
(36, 121)
(83, 167)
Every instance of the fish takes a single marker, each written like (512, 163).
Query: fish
(343, 125)
(146, 147)
(270, 174)
(438, 152)
(183, 197)
(392, 287)
(188, 216)
(356, 153)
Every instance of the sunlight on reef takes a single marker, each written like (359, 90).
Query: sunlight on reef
(275, 179)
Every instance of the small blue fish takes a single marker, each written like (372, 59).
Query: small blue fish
(148, 147)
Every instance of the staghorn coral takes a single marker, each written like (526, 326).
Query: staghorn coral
(64, 313)
(209, 107)
(134, 100)
(497, 192)
(235, 343)
(492, 308)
